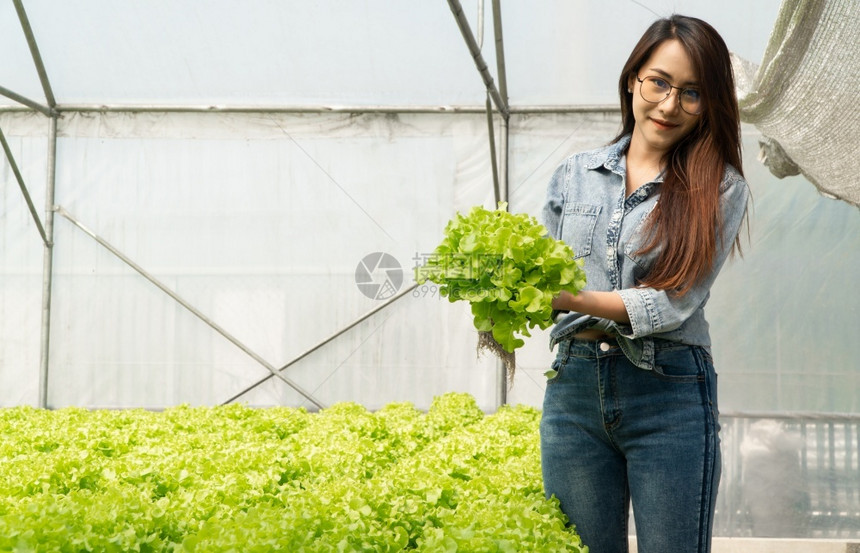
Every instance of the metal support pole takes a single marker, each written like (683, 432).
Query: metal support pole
(502, 169)
(503, 160)
(502, 388)
(500, 51)
(62, 211)
(503, 91)
(48, 267)
(475, 50)
(34, 51)
(497, 192)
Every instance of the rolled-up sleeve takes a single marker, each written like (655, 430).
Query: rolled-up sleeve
(553, 210)
(653, 311)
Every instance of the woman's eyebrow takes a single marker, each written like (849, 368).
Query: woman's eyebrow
(668, 76)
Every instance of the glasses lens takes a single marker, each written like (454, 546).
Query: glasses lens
(656, 89)
(691, 101)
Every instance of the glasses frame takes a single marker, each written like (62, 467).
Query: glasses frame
(680, 89)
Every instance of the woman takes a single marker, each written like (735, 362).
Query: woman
(632, 412)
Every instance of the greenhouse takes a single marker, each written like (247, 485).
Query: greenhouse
(219, 209)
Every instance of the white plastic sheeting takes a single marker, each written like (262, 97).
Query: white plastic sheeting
(259, 222)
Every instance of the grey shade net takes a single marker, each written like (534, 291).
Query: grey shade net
(804, 95)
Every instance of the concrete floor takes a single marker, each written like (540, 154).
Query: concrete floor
(768, 545)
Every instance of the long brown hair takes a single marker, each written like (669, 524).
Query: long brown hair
(687, 221)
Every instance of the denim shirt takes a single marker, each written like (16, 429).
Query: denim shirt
(588, 209)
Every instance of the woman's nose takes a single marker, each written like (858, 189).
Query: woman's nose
(672, 102)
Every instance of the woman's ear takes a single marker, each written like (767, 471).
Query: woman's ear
(631, 82)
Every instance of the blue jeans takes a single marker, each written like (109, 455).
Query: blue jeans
(612, 432)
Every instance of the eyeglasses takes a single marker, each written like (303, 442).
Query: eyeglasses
(655, 90)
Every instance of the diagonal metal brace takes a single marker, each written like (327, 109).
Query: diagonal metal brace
(343, 330)
(45, 110)
(24, 190)
(34, 52)
(62, 211)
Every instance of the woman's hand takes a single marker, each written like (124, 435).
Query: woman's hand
(562, 301)
(606, 305)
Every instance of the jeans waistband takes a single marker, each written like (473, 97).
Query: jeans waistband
(577, 346)
(609, 345)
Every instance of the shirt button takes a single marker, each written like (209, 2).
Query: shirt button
(604, 346)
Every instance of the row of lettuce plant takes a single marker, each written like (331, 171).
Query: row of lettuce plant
(235, 478)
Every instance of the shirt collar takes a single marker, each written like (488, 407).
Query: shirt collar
(609, 156)
(612, 158)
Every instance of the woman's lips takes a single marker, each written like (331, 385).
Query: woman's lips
(663, 125)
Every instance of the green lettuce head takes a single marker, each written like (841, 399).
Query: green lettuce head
(508, 268)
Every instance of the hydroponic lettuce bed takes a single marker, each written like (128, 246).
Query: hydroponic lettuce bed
(277, 479)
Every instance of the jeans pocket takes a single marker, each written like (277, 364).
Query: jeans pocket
(554, 372)
(679, 364)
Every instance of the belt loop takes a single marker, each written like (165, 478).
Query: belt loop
(568, 345)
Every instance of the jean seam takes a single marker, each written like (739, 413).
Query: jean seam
(625, 524)
(617, 411)
(709, 465)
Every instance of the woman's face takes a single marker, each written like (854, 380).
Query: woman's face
(659, 126)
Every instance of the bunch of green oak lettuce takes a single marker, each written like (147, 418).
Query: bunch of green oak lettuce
(233, 478)
(509, 269)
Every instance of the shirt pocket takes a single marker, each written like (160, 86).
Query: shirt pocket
(578, 228)
(636, 240)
